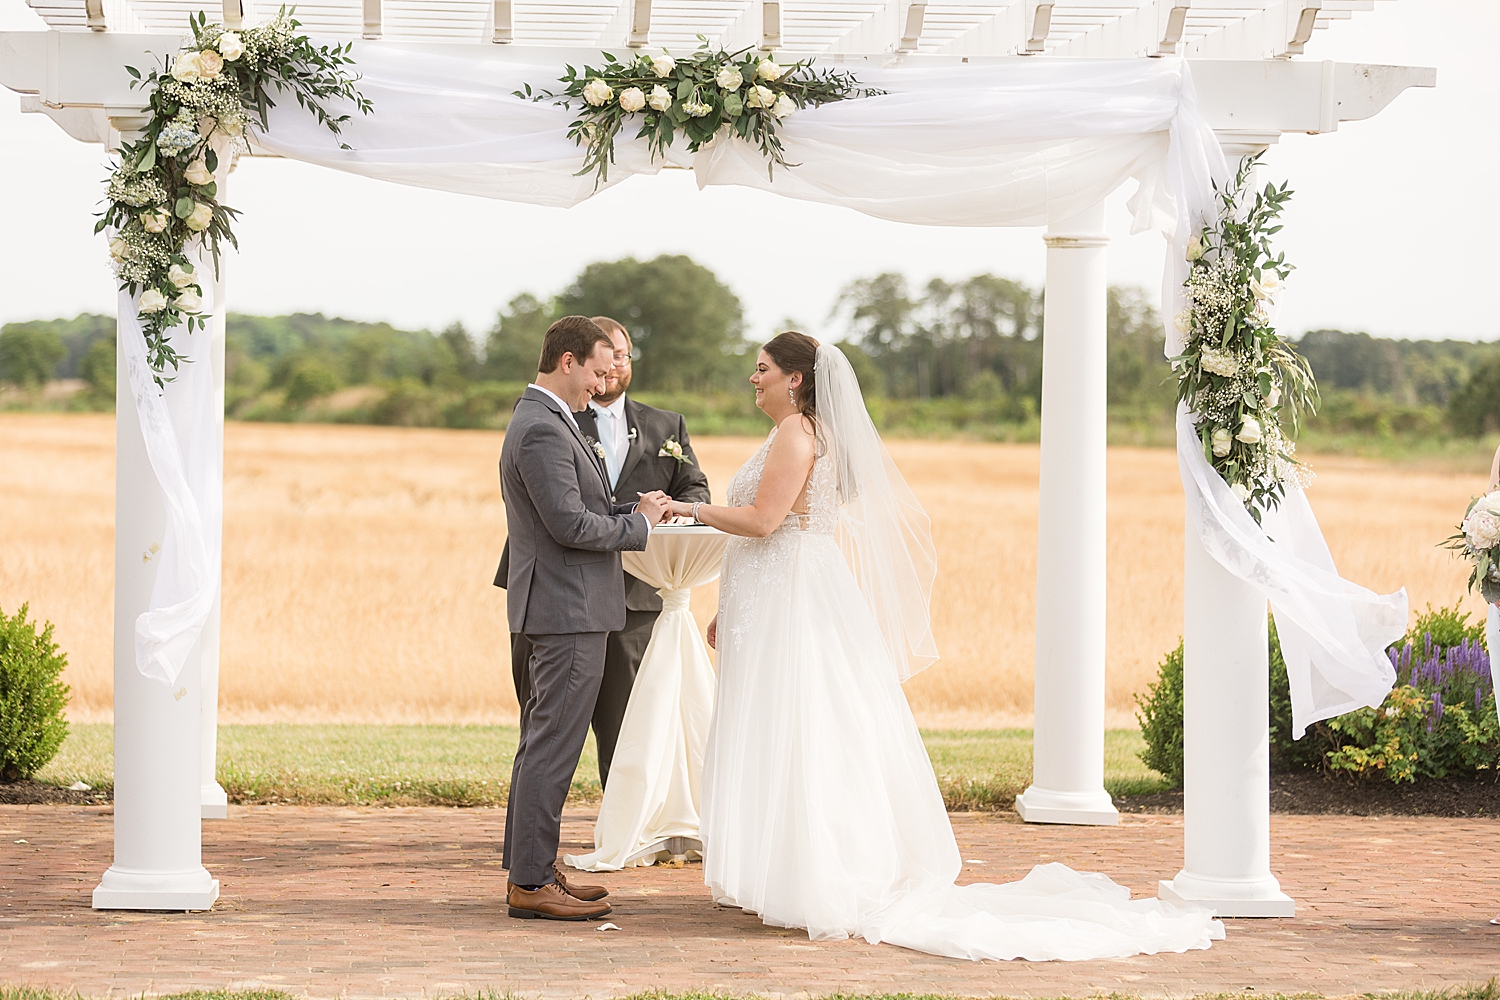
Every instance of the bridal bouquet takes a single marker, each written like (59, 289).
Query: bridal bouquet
(744, 93)
(1478, 538)
(163, 193)
(1236, 375)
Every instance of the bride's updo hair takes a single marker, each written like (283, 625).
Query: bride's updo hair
(797, 352)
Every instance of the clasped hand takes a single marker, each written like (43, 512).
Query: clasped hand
(656, 505)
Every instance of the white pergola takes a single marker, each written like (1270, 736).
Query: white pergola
(1252, 88)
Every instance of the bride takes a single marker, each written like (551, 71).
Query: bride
(820, 807)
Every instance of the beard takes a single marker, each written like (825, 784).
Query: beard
(614, 391)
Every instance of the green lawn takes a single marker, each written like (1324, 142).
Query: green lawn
(470, 765)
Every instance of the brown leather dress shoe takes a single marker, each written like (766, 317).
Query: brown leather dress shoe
(587, 893)
(551, 902)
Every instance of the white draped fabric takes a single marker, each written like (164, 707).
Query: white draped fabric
(1333, 632)
(656, 778)
(180, 424)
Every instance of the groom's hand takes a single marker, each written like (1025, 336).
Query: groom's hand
(656, 505)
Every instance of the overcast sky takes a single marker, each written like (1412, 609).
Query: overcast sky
(1393, 227)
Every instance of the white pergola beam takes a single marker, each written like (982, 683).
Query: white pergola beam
(502, 27)
(911, 34)
(374, 18)
(87, 70)
(1171, 36)
(1040, 19)
(94, 12)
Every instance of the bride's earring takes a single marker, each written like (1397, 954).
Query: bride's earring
(792, 395)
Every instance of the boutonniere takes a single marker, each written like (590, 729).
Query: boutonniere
(598, 449)
(671, 449)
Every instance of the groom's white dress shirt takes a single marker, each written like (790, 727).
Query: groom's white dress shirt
(614, 435)
(613, 468)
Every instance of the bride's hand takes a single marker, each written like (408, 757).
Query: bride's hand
(680, 509)
(713, 633)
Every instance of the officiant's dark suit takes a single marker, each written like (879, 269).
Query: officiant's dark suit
(642, 470)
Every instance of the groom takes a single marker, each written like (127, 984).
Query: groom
(636, 441)
(565, 594)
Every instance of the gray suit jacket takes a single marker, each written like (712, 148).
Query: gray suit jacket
(565, 532)
(644, 470)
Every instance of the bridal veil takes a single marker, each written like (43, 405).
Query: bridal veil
(883, 531)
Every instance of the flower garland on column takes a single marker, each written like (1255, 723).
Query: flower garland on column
(1236, 375)
(700, 96)
(163, 193)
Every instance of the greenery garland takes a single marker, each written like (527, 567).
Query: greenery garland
(163, 193)
(743, 93)
(1236, 375)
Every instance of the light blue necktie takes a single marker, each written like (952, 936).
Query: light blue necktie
(609, 438)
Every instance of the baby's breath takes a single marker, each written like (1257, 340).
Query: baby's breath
(202, 101)
(1236, 376)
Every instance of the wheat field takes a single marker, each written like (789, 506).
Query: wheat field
(358, 561)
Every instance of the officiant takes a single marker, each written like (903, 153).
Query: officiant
(643, 449)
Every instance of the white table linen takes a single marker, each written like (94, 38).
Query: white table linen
(656, 778)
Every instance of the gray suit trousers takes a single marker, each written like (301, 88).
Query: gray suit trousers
(622, 658)
(565, 674)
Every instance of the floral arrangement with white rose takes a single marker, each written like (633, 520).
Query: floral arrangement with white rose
(163, 193)
(1236, 375)
(1478, 538)
(745, 93)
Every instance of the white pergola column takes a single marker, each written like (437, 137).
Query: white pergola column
(1068, 760)
(158, 862)
(1226, 727)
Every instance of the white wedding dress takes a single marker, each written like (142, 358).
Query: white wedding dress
(820, 806)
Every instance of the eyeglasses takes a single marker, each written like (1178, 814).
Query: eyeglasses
(622, 361)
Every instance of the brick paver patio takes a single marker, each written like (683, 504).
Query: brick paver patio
(407, 902)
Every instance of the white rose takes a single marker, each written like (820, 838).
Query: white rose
(660, 98)
(1482, 529)
(663, 65)
(597, 93)
(210, 63)
(1249, 431)
(729, 78)
(187, 68)
(1195, 249)
(197, 172)
(152, 301)
(1183, 321)
(200, 218)
(118, 248)
(180, 277)
(1490, 502)
(632, 99)
(230, 46)
(760, 97)
(769, 71)
(1267, 287)
(1222, 441)
(784, 106)
(154, 222)
(188, 302)
(1240, 491)
(1273, 398)
(1219, 362)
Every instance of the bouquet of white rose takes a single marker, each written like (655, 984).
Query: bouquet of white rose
(1478, 538)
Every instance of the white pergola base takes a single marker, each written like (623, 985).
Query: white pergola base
(1229, 897)
(1246, 79)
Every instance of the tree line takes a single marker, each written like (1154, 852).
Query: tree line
(941, 356)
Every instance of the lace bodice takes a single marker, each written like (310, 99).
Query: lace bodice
(821, 515)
